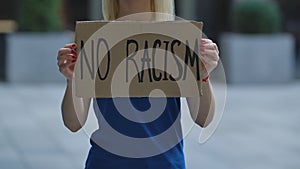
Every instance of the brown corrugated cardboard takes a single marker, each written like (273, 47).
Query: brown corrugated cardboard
(138, 59)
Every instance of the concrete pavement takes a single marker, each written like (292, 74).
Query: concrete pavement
(259, 130)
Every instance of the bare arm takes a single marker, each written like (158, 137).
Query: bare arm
(74, 110)
(202, 108)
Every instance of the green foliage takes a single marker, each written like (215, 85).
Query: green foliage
(40, 15)
(257, 16)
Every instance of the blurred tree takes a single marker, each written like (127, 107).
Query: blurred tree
(257, 16)
(40, 15)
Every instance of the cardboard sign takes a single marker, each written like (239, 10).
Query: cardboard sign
(138, 59)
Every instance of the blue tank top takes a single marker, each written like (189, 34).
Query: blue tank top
(137, 133)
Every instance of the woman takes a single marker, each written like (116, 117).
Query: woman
(99, 157)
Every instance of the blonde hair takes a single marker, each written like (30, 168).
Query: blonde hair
(110, 9)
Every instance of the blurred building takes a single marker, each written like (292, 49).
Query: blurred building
(214, 13)
(7, 11)
(216, 16)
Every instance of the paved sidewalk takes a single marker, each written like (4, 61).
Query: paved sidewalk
(259, 130)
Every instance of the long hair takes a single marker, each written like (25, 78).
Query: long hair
(110, 9)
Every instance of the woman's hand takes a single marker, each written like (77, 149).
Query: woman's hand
(66, 60)
(209, 55)
(202, 108)
(74, 109)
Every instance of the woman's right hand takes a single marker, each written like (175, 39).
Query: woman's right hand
(66, 60)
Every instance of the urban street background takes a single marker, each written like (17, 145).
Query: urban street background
(260, 125)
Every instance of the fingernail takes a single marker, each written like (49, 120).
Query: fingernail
(74, 45)
(74, 57)
(73, 61)
(73, 51)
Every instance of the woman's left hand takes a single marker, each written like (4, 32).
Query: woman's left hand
(209, 55)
